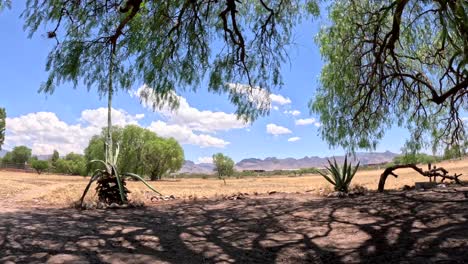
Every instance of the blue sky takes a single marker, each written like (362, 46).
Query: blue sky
(66, 119)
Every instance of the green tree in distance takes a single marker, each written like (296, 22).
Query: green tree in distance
(162, 156)
(40, 165)
(394, 62)
(224, 166)
(55, 157)
(132, 140)
(20, 155)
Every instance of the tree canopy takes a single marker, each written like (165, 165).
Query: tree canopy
(141, 151)
(224, 165)
(169, 45)
(19, 155)
(162, 156)
(392, 62)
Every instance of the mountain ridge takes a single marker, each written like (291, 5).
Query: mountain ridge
(274, 163)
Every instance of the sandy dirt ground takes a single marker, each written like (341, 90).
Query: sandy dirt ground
(396, 227)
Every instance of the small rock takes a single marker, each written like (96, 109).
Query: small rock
(441, 185)
(272, 192)
(172, 197)
(406, 188)
(113, 206)
(337, 194)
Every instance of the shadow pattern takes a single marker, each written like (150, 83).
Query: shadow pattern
(395, 227)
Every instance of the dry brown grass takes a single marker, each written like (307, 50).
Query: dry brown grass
(24, 188)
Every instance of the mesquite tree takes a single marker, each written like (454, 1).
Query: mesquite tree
(402, 62)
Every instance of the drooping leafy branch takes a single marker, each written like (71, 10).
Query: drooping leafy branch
(392, 62)
(169, 45)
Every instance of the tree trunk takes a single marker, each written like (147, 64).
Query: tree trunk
(109, 154)
(435, 172)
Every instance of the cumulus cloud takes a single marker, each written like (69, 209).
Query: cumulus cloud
(191, 117)
(308, 121)
(277, 130)
(44, 131)
(292, 112)
(98, 117)
(185, 135)
(294, 139)
(204, 160)
(277, 98)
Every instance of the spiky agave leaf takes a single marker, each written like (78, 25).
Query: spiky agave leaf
(119, 183)
(138, 177)
(97, 173)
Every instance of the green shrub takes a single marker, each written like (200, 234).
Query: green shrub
(40, 165)
(340, 177)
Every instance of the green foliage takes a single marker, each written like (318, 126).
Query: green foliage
(2, 124)
(141, 151)
(340, 177)
(19, 155)
(96, 148)
(5, 4)
(132, 143)
(455, 151)
(224, 166)
(55, 157)
(393, 63)
(168, 45)
(40, 165)
(415, 158)
(161, 157)
(73, 164)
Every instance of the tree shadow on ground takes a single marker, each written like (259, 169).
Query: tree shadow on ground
(381, 228)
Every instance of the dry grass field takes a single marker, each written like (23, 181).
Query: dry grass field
(59, 190)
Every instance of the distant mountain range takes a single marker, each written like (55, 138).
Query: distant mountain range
(272, 163)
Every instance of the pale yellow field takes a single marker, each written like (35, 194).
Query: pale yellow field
(22, 188)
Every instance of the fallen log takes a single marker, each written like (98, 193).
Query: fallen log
(432, 173)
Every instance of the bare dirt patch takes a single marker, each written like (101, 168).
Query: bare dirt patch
(412, 227)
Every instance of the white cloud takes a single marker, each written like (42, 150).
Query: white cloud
(294, 139)
(277, 98)
(292, 112)
(185, 135)
(193, 118)
(204, 160)
(277, 130)
(304, 122)
(275, 108)
(308, 121)
(98, 117)
(44, 131)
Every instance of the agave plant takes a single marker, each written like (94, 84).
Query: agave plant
(110, 183)
(340, 177)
